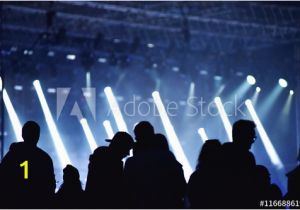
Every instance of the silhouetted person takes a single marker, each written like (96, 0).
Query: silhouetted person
(161, 142)
(203, 186)
(154, 177)
(38, 189)
(238, 167)
(105, 186)
(264, 189)
(144, 136)
(70, 194)
(294, 183)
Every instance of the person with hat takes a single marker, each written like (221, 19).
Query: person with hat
(105, 186)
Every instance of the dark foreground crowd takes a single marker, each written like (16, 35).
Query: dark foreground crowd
(226, 175)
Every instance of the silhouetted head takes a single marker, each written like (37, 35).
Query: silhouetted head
(31, 133)
(262, 175)
(143, 131)
(243, 133)
(209, 153)
(71, 174)
(161, 142)
(121, 144)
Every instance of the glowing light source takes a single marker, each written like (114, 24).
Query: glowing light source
(251, 79)
(12, 116)
(174, 141)
(115, 109)
(102, 60)
(71, 57)
(150, 45)
(287, 107)
(89, 135)
(58, 143)
(202, 134)
(88, 79)
(264, 137)
(255, 95)
(224, 117)
(18, 87)
(108, 129)
(1, 84)
(282, 82)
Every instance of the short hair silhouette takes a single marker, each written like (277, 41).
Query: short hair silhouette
(71, 174)
(161, 142)
(243, 133)
(31, 132)
(143, 130)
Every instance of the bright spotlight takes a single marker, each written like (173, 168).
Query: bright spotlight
(88, 79)
(1, 84)
(71, 57)
(251, 79)
(291, 92)
(58, 143)
(282, 82)
(224, 117)
(265, 138)
(108, 129)
(258, 89)
(172, 137)
(115, 109)
(12, 116)
(89, 135)
(202, 134)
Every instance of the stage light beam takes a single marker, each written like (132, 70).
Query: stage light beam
(89, 135)
(264, 136)
(58, 143)
(172, 137)
(108, 129)
(12, 116)
(202, 134)
(115, 109)
(224, 117)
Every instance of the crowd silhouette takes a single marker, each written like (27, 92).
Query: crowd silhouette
(226, 175)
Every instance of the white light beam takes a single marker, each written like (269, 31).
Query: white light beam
(202, 134)
(224, 117)
(58, 143)
(115, 109)
(174, 141)
(12, 116)
(89, 135)
(264, 136)
(108, 129)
